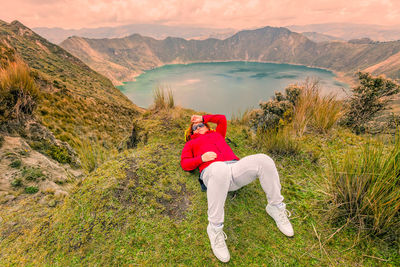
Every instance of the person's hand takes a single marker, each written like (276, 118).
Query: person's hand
(208, 156)
(196, 118)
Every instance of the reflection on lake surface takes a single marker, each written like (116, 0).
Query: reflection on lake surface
(223, 87)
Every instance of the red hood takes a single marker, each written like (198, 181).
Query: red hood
(195, 135)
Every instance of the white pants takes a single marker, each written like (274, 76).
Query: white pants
(221, 177)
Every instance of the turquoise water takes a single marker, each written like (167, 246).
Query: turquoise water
(223, 87)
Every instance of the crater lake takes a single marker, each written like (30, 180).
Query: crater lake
(224, 87)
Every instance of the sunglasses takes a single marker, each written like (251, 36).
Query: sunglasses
(197, 126)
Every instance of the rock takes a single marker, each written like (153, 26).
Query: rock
(8, 198)
(48, 187)
(46, 199)
(60, 194)
(52, 203)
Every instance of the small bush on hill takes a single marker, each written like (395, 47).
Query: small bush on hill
(16, 163)
(162, 99)
(370, 97)
(32, 174)
(277, 110)
(59, 154)
(18, 91)
(31, 190)
(16, 182)
(364, 188)
(300, 107)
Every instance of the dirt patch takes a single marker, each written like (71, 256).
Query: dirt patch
(123, 192)
(177, 205)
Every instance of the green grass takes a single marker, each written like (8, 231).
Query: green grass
(92, 153)
(278, 142)
(364, 187)
(140, 208)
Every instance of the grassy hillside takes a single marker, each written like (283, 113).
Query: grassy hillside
(76, 102)
(140, 208)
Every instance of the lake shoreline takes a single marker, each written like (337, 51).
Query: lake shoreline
(339, 76)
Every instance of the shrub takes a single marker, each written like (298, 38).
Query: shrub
(162, 99)
(32, 174)
(277, 110)
(16, 182)
(15, 164)
(60, 154)
(1, 140)
(18, 91)
(364, 188)
(31, 189)
(370, 97)
(302, 107)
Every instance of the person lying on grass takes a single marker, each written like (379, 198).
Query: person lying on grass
(222, 171)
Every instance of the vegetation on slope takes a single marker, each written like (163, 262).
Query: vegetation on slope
(141, 208)
(76, 102)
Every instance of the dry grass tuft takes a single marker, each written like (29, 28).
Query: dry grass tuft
(315, 111)
(163, 98)
(18, 91)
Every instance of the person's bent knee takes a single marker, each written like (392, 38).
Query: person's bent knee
(265, 159)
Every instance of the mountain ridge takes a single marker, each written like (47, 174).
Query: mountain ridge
(157, 31)
(137, 53)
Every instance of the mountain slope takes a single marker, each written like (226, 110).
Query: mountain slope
(77, 103)
(136, 53)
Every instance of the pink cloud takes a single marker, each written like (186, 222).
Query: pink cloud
(223, 13)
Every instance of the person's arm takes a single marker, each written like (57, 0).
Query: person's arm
(188, 162)
(220, 120)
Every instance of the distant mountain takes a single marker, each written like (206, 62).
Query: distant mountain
(348, 31)
(76, 102)
(121, 59)
(319, 37)
(157, 31)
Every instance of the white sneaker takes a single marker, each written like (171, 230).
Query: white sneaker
(280, 214)
(217, 240)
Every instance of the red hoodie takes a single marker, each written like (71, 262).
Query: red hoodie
(210, 141)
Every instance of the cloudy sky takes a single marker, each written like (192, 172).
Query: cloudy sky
(237, 14)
